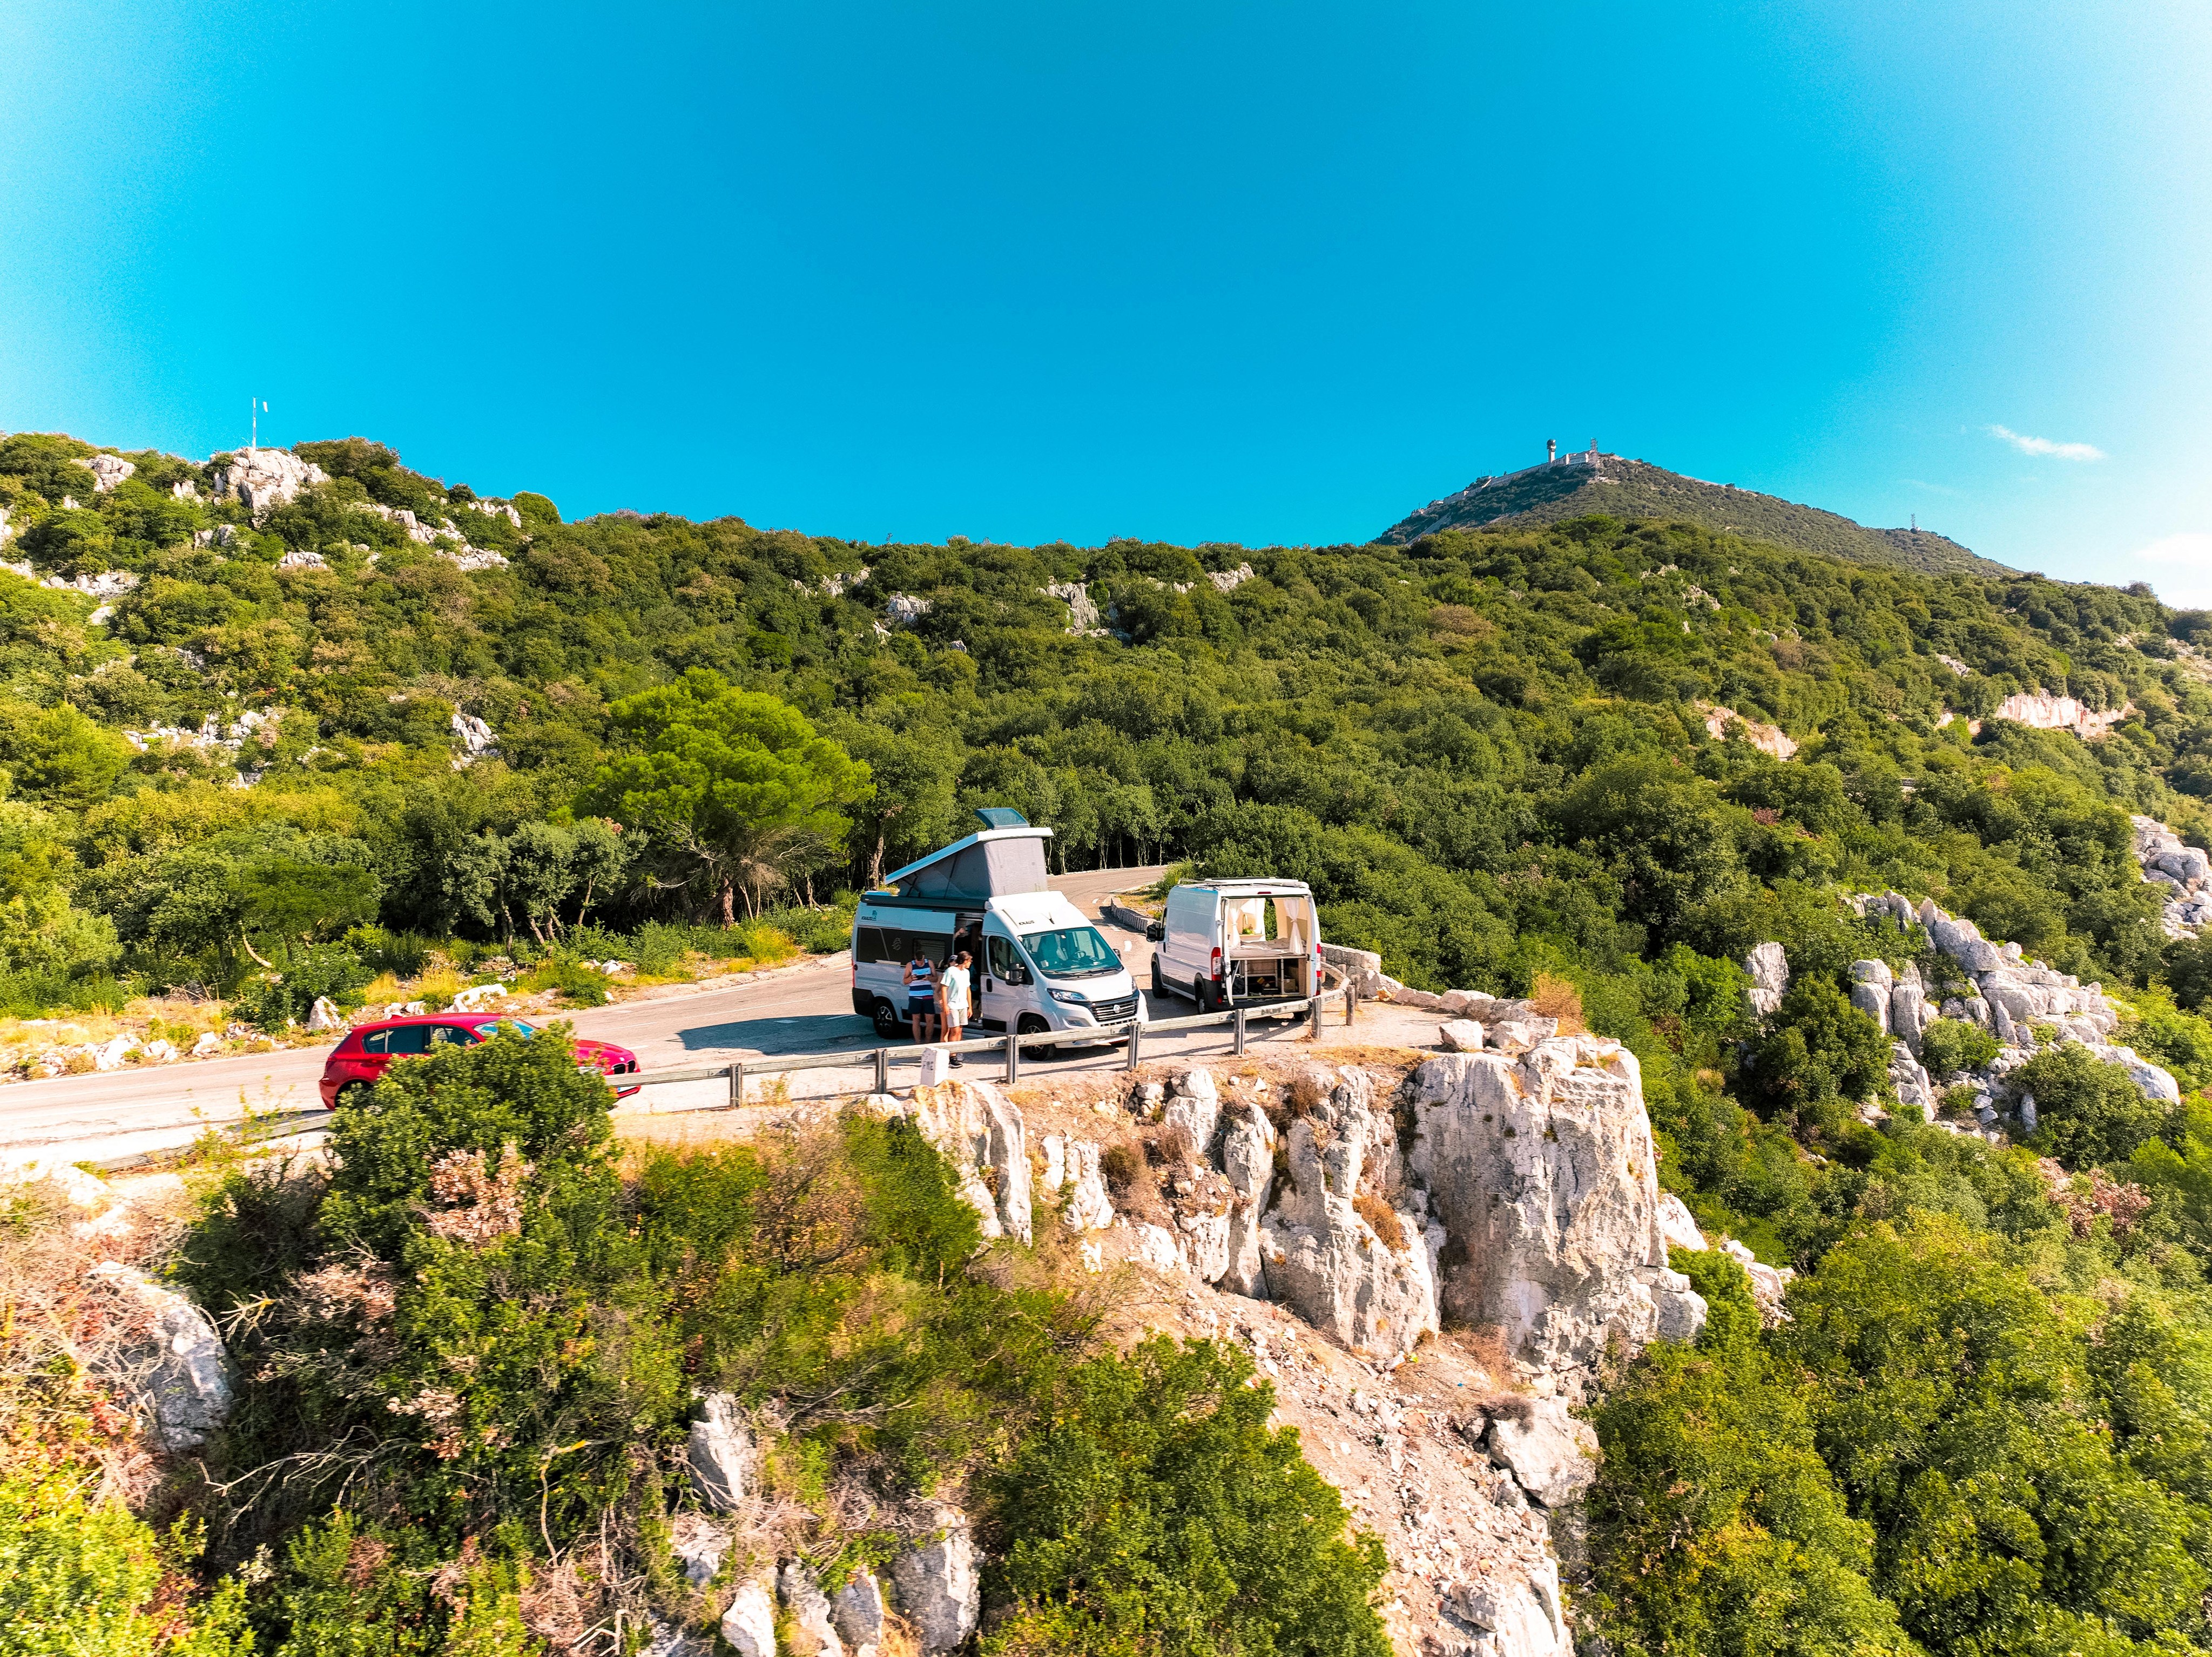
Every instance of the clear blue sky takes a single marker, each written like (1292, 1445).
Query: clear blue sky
(1187, 270)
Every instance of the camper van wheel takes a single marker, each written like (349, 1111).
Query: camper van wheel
(1030, 1025)
(1159, 984)
(1203, 993)
(888, 1025)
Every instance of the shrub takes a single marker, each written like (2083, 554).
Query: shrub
(580, 986)
(1156, 1512)
(2088, 1113)
(1950, 1046)
(1122, 1165)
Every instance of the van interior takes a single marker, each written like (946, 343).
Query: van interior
(1267, 946)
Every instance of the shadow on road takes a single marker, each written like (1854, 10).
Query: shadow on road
(795, 1033)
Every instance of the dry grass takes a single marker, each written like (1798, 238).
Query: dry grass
(1559, 997)
(1380, 1214)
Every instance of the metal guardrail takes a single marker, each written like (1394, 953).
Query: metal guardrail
(1129, 1036)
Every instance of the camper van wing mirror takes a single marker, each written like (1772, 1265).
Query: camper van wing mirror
(1156, 931)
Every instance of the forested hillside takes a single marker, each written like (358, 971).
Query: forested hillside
(1495, 756)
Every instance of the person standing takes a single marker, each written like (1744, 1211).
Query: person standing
(953, 999)
(921, 980)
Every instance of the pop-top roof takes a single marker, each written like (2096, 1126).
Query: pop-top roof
(996, 862)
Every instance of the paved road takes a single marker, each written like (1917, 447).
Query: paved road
(126, 1112)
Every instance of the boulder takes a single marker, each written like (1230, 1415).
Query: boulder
(1248, 1161)
(1873, 1000)
(1914, 1089)
(1543, 1171)
(1194, 1103)
(858, 1612)
(939, 1593)
(1205, 1245)
(186, 1374)
(324, 1015)
(719, 1453)
(476, 738)
(1676, 1226)
(1551, 1456)
(1082, 608)
(1322, 1256)
(1679, 1311)
(1769, 1284)
(1460, 1035)
(1961, 940)
(1514, 1613)
(107, 470)
(813, 1623)
(750, 1622)
(1872, 972)
(1362, 968)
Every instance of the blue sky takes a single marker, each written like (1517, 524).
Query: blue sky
(1192, 271)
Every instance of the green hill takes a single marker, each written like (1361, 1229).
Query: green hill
(1624, 488)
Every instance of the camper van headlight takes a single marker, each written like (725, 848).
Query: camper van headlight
(1071, 997)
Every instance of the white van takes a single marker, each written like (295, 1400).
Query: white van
(1227, 942)
(1043, 965)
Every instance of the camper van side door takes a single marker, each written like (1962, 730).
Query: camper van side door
(1007, 991)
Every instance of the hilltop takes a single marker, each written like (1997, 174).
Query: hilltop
(1573, 487)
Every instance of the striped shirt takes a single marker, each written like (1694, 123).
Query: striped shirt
(921, 979)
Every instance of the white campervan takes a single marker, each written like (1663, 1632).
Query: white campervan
(1043, 966)
(1226, 942)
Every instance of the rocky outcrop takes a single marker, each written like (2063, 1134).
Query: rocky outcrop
(939, 1593)
(1870, 990)
(903, 609)
(1248, 1161)
(1323, 1254)
(981, 1133)
(859, 1613)
(177, 1365)
(1515, 1615)
(1228, 580)
(1083, 620)
(1768, 739)
(477, 740)
(2183, 870)
(1543, 1171)
(1071, 1176)
(107, 470)
(2041, 711)
(1193, 1104)
(1361, 969)
(1770, 977)
(264, 479)
(719, 1456)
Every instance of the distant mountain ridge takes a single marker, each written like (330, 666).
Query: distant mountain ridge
(1587, 482)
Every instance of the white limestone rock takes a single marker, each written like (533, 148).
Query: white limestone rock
(1194, 1103)
(1906, 1076)
(186, 1374)
(750, 1622)
(1514, 1613)
(324, 1015)
(1362, 968)
(1083, 620)
(264, 479)
(811, 1617)
(978, 1127)
(1205, 1245)
(719, 1453)
(300, 558)
(1321, 1256)
(1909, 1013)
(1073, 1174)
(476, 739)
(940, 1591)
(209, 1044)
(1460, 1035)
(1873, 1000)
(1157, 1248)
(1679, 1311)
(859, 1613)
(1248, 1161)
(107, 470)
(1676, 1226)
(1543, 1170)
(1769, 968)
(901, 610)
(1550, 1454)
(1769, 1284)
(699, 1546)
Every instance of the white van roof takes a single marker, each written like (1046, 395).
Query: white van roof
(1250, 887)
(980, 838)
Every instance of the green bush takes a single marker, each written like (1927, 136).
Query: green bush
(1157, 1512)
(2088, 1112)
(274, 1000)
(1950, 1046)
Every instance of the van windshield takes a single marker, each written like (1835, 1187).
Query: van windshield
(1072, 952)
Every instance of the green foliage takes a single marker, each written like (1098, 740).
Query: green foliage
(1159, 1512)
(2089, 1112)
(1949, 1047)
(734, 788)
(1819, 1055)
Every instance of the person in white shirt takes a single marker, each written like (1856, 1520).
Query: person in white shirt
(952, 1005)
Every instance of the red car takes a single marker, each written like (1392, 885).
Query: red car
(360, 1060)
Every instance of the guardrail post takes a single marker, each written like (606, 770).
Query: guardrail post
(1239, 1024)
(736, 1086)
(882, 1070)
(1313, 1016)
(1014, 1057)
(1136, 1034)
(1351, 1002)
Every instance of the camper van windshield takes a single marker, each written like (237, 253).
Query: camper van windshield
(1072, 952)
